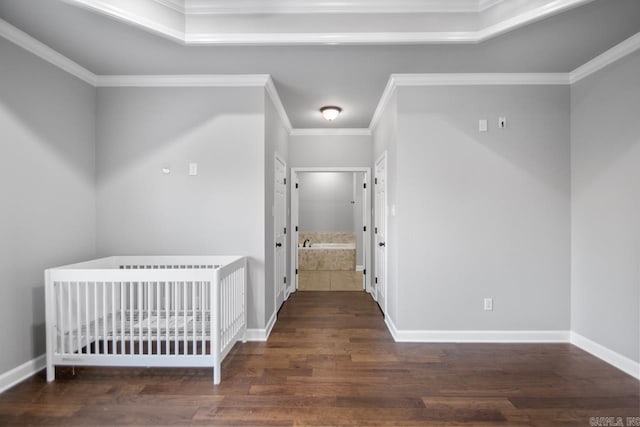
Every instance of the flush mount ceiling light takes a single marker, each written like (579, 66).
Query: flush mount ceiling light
(331, 112)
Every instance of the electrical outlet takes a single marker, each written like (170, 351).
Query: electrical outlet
(488, 304)
(482, 125)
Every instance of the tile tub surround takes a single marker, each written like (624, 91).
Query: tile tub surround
(326, 237)
(326, 259)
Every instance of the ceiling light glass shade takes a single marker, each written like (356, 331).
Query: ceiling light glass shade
(330, 112)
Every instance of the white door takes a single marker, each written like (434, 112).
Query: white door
(380, 231)
(280, 230)
(365, 216)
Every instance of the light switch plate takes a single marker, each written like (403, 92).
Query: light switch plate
(502, 122)
(193, 169)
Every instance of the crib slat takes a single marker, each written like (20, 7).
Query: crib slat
(78, 347)
(203, 307)
(175, 317)
(184, 316)
(193, 314)
(66, 324)
(140, 300)
(123, 295)
(157, 286)
(166, 316)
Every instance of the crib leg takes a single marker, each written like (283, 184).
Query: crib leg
(51, 372)
(216, 373)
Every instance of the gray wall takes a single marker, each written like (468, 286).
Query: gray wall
(276, 142)
(220, 211)
(605, 164)
(483, 214)
(330, 151)
(325, 201)
(47, 214)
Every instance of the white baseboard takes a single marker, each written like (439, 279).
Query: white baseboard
(611, 357)
(428, 336)
(359, 267)
(261, 335)
(22, 372)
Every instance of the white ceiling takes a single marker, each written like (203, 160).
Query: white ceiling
(308, 77)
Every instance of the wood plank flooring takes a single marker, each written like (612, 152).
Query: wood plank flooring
(331, 361)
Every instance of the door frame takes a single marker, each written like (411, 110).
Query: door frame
(366, 212)
(276, 280)
(383, 217)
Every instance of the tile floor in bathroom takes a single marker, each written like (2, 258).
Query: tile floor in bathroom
(323, 280)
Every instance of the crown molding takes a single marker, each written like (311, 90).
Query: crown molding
(612, 55)
(43, 51)
(177, 5)
(331, 132)
(200, 7)
(120, 14)
(184, 80)
(295, 6)
(480, 79)
(310, 39)
(463, 79)
(486, 4)
(387, 94)
(277, 102)
(526, 18)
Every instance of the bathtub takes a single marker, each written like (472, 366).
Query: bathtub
(327, 256)
(329, 246)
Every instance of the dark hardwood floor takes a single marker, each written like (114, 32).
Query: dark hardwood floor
(331, 361)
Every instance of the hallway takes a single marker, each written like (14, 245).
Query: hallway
(331, 361)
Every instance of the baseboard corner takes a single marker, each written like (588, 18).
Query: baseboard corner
(612, 357)
(22, 372)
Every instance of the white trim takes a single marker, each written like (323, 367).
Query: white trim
(331, 132)
(392, 328)
(120, 14)
(387, 94)
(294, 6)
(277, 102)
(22, 372)
(43, 51)
(480, 79)
(486, 4)
(526, 18)
(310, 39)
(345, 6)
(184, 80)
(428, 336)
(617, 52)
(611, 357)
(261, 335)
(178, 5)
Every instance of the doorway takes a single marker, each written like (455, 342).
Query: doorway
(330, 240)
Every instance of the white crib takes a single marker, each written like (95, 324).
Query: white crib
(161, 311)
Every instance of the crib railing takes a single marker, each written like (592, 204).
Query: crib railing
(145, 311)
